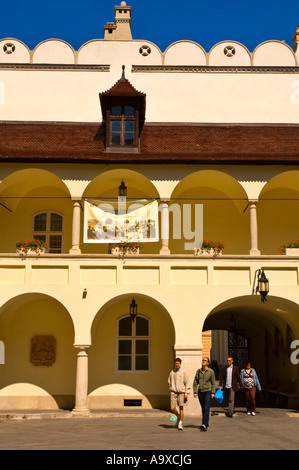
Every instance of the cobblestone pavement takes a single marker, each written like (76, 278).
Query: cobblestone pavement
(270, 429)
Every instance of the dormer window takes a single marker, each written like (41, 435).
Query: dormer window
(123, 110)
(123, 126)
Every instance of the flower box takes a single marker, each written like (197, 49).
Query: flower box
(210, 252)
(292, 251)
(124, 248)
(209, 247)
(31, 247)
(117, 250)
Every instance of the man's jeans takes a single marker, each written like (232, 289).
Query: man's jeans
(229, 395)
(205, 402)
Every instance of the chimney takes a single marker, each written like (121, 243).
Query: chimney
(121, 29)
(296, 42)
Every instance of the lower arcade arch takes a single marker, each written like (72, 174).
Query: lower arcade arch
(269, 329)
(39, 370)
(146, 385)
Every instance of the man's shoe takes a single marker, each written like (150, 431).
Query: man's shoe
(180, 426)
(253, 413)
(204, 427)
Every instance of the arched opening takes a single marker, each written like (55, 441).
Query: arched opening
(247, 328)
(40, 360)
(105, 187)
(223, 202)
(130, 363)
(278, 202)
(25, 193)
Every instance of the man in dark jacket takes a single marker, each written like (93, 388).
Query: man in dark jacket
(231, 382)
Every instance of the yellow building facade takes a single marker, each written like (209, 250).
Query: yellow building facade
(213, 139)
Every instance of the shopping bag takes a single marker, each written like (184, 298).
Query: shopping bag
(219, 395)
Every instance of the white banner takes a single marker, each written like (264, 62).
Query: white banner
(109, 222)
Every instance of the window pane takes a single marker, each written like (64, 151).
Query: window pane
(124, 363)
(125, 346)
(129, 111)
(142, 327)
(116, 111)
(55, 242)
(125, 327)
(115, 139)
(141, 363)
(129, 139)
(56, 223)
(129, 126)
(115, 126)
(40, 222)
(142, 346)
(42, 238)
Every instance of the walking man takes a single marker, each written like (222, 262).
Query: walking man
(204, 388)
(231, 382)
(179, 387)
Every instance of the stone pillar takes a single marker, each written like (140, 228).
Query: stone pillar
(191, 356)
(164, 250)
(253, 229)
(81, 407)
(76, 227)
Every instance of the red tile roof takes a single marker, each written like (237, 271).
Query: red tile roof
(122, 88)
(159, 143)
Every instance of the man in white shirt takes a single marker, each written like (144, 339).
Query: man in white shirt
(231, 382)
(229, 373)
(179, 387)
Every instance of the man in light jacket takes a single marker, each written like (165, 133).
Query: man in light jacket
(179, 387)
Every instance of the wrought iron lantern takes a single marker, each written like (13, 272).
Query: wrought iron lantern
(122, 190)
(262, 285)
(133, 310)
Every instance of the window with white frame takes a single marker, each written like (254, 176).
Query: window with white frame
(133, 344)
(48, 227)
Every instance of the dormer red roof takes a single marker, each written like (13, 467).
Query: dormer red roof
(123, 90)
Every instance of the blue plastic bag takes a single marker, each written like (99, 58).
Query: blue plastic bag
(219, 395)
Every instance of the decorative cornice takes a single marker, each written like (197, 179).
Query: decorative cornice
(211, 69)
(66, 67)
(155, 68)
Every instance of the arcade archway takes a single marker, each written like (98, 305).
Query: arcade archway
(130, 362)
(269, 328)
(39, 370)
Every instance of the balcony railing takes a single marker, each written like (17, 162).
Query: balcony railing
(146, 270)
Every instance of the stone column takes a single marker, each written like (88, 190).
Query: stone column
(81, 407)
(191, 356)
(76, 227)
(164, 250)
(253, 229)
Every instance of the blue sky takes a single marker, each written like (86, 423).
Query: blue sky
(160, 21)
